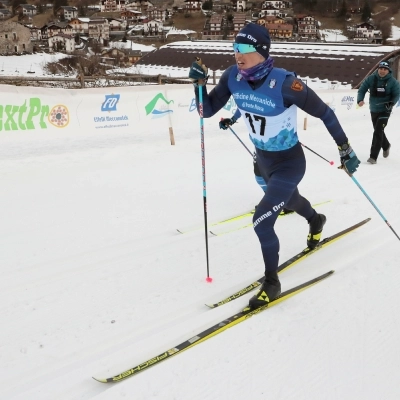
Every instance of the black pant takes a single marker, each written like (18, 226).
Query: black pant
(379, 139)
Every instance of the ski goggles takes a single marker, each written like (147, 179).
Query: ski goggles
(244, 48)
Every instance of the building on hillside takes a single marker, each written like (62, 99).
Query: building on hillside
(112, 5)
(6, 4)
(366, 32)
(80, 26)
(222, 5)
(277, 4)
(66, 13)
(99, 29)
(139, 5)
(134, 55)
(275, 12)
(55, 28)
(26, 10)
(121, 57)
(131, 16)
(271, 19)
(241, 5)
(306, 26)
(192, 5)
(213, 28)
(62, 42)
(153, 27)
(158, 14)
(14, 38)
(278, 31)
(36, 33)
(114, 57)
(117, 25)
(239, 21)
(5, 14)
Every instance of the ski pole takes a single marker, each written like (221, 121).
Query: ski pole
(373, 204)
(312, 151)
(203, 162)
(362, 190)
(238, 138)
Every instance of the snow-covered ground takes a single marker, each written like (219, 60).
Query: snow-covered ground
(333, 35)
(28, 65)
(95, 278)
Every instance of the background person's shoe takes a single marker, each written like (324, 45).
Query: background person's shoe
(386, 152)
(371, 161)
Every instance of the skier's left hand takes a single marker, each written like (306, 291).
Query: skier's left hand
(225, 123)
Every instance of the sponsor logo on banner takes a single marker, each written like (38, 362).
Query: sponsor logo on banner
(158, 107)
(32, 114)
(59, 116)
(347, 101)
(109, 106)
(110, 103)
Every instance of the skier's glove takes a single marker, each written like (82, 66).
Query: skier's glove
(389, 106)
(348, 158)
(225, 123)
(198, 73)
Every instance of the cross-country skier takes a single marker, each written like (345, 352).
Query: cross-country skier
(268, 98)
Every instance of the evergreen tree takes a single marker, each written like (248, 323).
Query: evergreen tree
(208, 5)
(366, 12)
(343, 9)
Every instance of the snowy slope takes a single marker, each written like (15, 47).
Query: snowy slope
(95, 278)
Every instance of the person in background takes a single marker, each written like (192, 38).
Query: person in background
(224, 124)
(384, 92)
(268, 98)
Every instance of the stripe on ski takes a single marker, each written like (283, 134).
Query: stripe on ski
(290, 263)
(231, 219)
(212, 331)
(224, 230)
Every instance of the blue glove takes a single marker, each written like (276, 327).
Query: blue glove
(348, 158)
(198, 73)
(225, 123)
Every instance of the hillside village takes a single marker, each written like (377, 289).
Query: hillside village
(94, 28)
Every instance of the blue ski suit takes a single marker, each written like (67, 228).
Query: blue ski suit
(269, 110)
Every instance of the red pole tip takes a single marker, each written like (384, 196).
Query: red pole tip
(331, 163)
(209, 279)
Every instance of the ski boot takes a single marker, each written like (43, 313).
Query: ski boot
(270, 290)
(316, 223)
